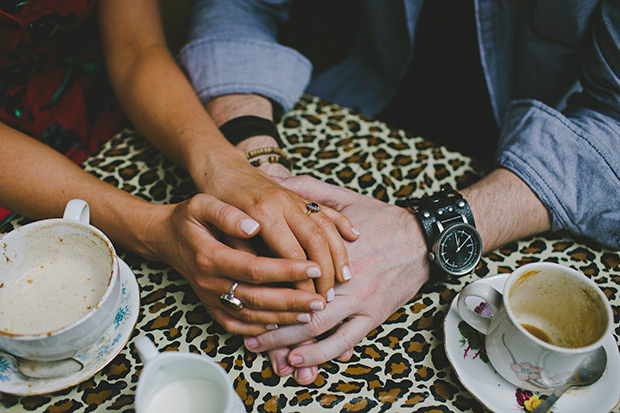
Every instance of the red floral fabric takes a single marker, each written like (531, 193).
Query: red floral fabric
(53, 84)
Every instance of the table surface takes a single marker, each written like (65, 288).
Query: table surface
(399, 366)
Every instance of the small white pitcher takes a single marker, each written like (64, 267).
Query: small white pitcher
(178, 382)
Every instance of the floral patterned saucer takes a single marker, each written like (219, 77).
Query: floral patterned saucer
(465, 350)
(94, 358)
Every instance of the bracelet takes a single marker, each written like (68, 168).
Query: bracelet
(243, 127)
(265, 151)
(273, 159)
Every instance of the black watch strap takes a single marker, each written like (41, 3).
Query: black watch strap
(445, 207)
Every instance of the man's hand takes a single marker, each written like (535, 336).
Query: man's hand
(388, 263)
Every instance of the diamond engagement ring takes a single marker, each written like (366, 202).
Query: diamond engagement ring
(312, 207)
(230, 301)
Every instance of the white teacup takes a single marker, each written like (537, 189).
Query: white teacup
(545, 322)
(59, 286)
(182, 383)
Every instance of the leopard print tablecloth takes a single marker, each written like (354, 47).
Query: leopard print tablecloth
(400, 366)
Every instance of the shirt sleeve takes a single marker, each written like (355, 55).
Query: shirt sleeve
(571, 159)
(233, 48)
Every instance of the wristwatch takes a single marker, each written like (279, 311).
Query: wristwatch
(453, 242)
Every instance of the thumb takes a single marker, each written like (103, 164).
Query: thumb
(228, 219)
(311, 188)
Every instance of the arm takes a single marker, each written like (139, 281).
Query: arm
(182, 234)
(232, 41)
(386, 278)
(570, 159)
(162, 104)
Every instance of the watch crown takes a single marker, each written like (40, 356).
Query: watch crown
(431, 256)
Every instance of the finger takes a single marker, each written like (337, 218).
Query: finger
(310, 188)
(343, 224)
(230, 220)
(250, 316)
(235, 326)
(287, 336)
(338, 251)
(244, 266)
(306, 375)
(279, 299)
(313, 235)
(346, 356)
(339, 342)
(279, 362)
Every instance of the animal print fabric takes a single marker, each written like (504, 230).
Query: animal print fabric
(401, 365)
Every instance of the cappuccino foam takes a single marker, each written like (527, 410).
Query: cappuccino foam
(57, 283)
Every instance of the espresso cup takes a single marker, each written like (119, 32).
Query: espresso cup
(540, 328)
(182, 383)
(59, 286)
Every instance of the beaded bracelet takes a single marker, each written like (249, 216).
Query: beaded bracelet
(273, 159)
(265, 151)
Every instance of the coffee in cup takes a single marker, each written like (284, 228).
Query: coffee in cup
(545, 322)
(59, 286)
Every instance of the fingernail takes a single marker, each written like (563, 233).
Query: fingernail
(303, 374)
(316, 306)
(296, 360)
(330, 295)
(249, 226)
(356, 232)
(283, 366)
(313, 272)
(346, 273)
(251, 343)
(271, 326)
(303, 318)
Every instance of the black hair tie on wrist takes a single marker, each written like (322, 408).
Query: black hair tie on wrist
(243, 127)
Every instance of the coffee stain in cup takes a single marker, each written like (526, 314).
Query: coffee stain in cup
(537, 332)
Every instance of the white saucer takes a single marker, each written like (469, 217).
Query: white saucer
(499, 395)
(94, 358)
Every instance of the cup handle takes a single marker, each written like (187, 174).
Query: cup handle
(146, 349)
(77, 210)
(486, 293)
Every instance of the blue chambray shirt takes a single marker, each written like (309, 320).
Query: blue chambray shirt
(552, 69)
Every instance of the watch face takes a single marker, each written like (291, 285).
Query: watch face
(458, 249)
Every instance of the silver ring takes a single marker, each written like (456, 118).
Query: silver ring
(312, 207)
(229, 300)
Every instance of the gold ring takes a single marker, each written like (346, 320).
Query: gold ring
(312, 207)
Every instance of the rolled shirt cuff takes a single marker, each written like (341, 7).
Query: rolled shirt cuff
(571, 172)
(220, 66)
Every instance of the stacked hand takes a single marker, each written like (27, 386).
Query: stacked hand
(388, 265)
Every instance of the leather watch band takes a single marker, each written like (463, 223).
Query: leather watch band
(444, 206)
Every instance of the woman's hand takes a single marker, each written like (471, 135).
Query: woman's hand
(287, 229)
(186, 235)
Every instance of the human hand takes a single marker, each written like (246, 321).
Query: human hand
(186, 235)
(286, 228)
(389, 266)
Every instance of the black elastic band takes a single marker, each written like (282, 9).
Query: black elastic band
(243, 127)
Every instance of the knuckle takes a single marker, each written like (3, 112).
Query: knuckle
(316, 236)
(254, 272)
(224, 213)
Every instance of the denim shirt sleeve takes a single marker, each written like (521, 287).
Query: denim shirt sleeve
(233, 48)
(571, 159)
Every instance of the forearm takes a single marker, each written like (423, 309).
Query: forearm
(156, 95)
(43, 190)
(505, 209)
